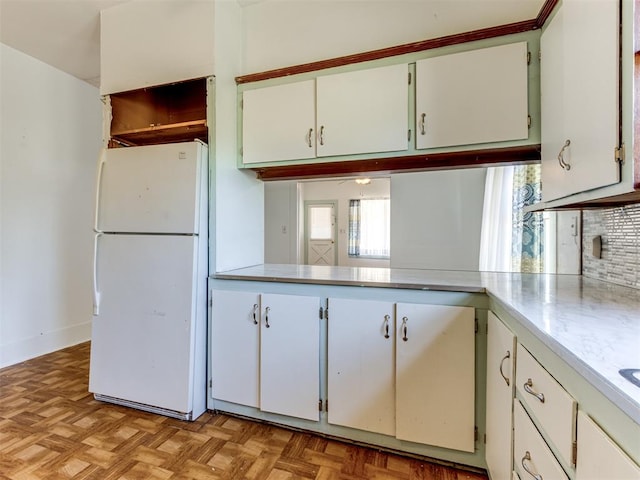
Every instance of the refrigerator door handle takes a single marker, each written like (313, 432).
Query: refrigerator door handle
(96, 293)
(101, 162)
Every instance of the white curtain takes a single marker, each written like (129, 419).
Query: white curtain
(497, 220)
(374, 227)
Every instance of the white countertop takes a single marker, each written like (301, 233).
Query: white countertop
(592, 325)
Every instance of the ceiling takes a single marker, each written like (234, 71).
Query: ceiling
(66, 33)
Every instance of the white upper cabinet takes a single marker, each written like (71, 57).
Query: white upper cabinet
(599, 458)
(472, 97)
(579, 70)
(365, 111)
(154, 43)
(279, 123)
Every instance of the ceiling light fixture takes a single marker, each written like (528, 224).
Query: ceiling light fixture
(363, 181)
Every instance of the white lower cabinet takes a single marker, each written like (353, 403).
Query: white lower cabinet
(415, 381)
(501, 344)
(361, 366)
(235, 347)
(290, 356)
(531, 455)
(553, 408)
(265, 352)
(599, 458)
(435, 375)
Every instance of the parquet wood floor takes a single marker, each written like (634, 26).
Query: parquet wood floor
(52, 428)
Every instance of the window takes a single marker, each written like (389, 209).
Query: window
(369, 228)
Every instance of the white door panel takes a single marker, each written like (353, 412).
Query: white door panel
(363, 111)
(435, 375)
(150, 189)
(289, 359)
(278, 123)
(235, 342)
(142, 338)
(361, 368)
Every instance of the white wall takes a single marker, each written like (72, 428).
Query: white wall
(49, 144)
(282, 33)
(436, 219)
(281, 222)
(239, 197)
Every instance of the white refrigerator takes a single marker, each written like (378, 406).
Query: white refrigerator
(148, 341)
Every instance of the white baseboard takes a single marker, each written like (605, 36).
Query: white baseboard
(26, 349)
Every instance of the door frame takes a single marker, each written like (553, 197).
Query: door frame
(305, 218)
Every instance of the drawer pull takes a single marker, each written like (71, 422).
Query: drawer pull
(386, 326)
(266, 317)
(529, 390)
(527, 456)
(405, 332)
(255, 314)
(507, 356)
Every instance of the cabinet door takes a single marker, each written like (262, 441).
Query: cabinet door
(501, 345)
(599, 458)
(435, 375)
(365, 111)
(531, 455)
(278, 123)
(361, 365)
(290, 356)
(580, 78)
(235, 341)
(472, 97)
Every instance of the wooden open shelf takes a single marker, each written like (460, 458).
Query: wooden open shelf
(163, 114)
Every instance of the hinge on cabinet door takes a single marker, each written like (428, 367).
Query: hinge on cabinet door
(539, 55)
(528, 58)
(409, 78)
(242, 103)
(475, 434)
(320, 405)
(321, 313)
(477, 327)
(485, 438)
(574, 453)
(409, 135)
(528, 121)
(619, 154)
(210, 383)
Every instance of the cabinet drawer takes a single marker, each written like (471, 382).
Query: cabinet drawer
(552, 407)
(531, 455)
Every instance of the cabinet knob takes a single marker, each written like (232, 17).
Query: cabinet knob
(386, 326)
(255, 314)
(527, 388)
(563, 163)
(266, 317)
(405, 330)
(527, 457)
(507, 356)
(422, 123)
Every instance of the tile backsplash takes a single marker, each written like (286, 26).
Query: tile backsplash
(619, 229)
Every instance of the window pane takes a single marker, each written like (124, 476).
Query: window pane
(321, 223)
(369, 228)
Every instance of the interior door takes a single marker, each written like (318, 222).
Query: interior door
(142, 336)
(321, 233)
(150, 189)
